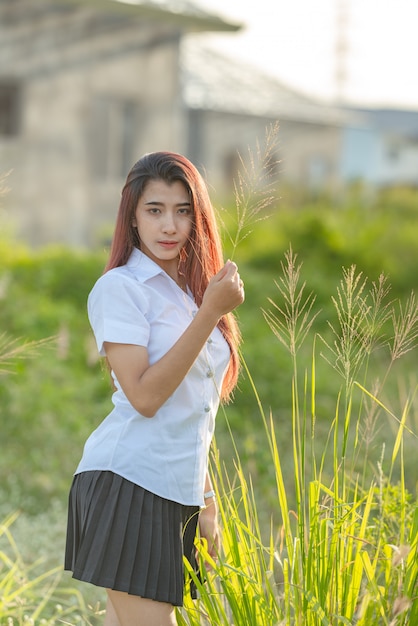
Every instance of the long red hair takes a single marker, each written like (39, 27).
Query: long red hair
(201, 257)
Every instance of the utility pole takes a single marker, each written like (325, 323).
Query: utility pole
(341, 50)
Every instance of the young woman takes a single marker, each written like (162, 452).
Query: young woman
(161, 315)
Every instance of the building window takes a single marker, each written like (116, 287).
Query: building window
(9, 108)
(112, 130)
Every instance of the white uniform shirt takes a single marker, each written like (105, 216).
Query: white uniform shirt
(167, 454)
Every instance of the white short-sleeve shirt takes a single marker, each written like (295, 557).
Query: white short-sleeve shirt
(167, 454)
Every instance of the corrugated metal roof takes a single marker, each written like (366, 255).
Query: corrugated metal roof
(212, 81)
(185, 13)
(183, 7)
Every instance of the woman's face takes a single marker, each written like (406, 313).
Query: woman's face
(164, 220)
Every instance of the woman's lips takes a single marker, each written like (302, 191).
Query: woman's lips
(168, 244)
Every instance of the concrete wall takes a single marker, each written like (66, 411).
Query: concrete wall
(308, 153)
(96, 92)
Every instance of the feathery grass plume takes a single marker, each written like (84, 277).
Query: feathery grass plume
(12, 350)
(405, 327)
(292, 321)
(376, 314)
(352, 339)
(363, 316)
(254, 187)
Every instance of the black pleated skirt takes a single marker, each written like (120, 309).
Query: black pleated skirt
(122, 537)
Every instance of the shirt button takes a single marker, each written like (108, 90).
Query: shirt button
(206, 408)
(209, 374)
(210, 340)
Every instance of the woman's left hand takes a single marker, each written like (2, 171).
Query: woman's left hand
(209, 529)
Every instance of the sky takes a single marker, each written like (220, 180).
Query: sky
(296, 41)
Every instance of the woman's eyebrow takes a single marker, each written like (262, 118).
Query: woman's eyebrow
(159, 203)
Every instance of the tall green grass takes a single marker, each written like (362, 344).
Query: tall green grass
(341, 547)
(32, 593)
(348, 553)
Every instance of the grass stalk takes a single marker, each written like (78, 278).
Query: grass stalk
(329, 563)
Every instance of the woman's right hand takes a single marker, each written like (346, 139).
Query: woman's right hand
(225, 290)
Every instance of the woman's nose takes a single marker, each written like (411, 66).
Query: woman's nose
(169, 225)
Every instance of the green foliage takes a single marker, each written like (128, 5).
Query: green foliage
(32, 594)
(320, 522)
(54, 398)
(376, 237)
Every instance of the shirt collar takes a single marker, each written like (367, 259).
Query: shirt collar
(142, 266)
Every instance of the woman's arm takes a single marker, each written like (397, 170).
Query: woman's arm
(208, 521)
(147, 386)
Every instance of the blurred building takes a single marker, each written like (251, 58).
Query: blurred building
(382, 150)
(229, 107)
(86, 87)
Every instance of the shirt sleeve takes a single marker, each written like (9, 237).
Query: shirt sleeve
(116, 308)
